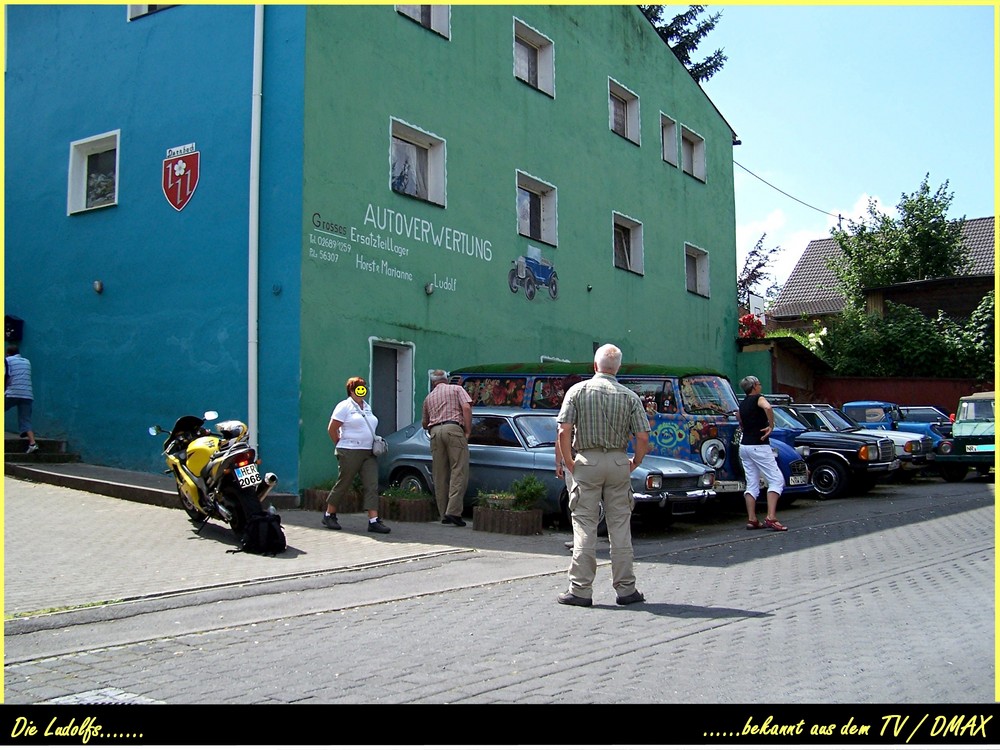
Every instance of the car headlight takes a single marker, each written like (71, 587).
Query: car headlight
(803, 450)
(863, 453)
(707, 480)
(946, 447)
(654, 482)
(912, 446)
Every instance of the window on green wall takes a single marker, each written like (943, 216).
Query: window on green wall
(534, 58)
(623, 111)
(436, 18)
(668, 139)
(693, 153)
(417, 163)
(696, 270)
(628, 244)
(537, 207)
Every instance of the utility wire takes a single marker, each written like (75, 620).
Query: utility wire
(836, 216)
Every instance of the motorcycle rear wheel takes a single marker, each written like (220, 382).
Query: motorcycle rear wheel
(237, 502)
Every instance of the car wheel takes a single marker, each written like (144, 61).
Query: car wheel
(530, 286)
(512, 281)
(830, 478)
(410, 481)
(554, 286)
(953, 473)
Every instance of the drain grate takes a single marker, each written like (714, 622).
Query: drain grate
(102, 696)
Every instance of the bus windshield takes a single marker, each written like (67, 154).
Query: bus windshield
(707, 394)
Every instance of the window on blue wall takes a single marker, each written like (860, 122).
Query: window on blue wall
(135, 11)
(436, 18)
(628, 254)
(93, 172)
(417, 163)
(534, 58)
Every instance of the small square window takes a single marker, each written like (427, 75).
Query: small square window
(93, 173)
(693, 153)
(668, 136)
(628, 244)
(437, 18)
(696, 270)
(135, 11)
(537, 209)
(623, 111)
(534, 58)
(417, 163)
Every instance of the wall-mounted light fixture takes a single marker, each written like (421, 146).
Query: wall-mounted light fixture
(98, 286)
(429, 288)
(589, 287)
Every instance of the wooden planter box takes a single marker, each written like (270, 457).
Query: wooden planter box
(505, 521)
(418, 509)
(315, 499)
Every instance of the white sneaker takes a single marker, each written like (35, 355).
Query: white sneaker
(32, 448)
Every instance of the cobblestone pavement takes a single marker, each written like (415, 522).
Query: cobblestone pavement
(883, 599)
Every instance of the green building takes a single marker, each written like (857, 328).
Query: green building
(497, 183)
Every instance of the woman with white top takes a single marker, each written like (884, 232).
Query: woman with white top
(352, 430)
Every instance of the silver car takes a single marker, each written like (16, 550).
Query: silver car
(507, 443)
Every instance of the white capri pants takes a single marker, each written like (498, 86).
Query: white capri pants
(758, 460)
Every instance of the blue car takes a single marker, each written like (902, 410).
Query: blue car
(885, 415)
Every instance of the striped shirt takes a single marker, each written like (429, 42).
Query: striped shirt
(605, 413)
(19, 370)
(444, 404)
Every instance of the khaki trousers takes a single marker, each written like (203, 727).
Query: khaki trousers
(352, 462)
(449, 467)
(601, 475)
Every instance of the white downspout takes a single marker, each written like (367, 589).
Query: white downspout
(254, 211)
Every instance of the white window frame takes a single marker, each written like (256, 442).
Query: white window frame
(692, 153)
(436, 149)
(549, 206)
(668, 139)
(79, 153)
(545, 57)
(631, 101)
(698, 281)
(440, 21)
(137, 11)
(636, 262)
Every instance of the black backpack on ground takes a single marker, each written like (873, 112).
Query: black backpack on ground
(263, 534)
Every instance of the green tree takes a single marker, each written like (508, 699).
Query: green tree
(756, 277)
(683, 33)
(921, 243)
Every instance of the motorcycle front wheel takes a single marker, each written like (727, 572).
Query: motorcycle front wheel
(194, 514)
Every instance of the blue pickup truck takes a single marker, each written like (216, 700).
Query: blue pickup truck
(885, 415)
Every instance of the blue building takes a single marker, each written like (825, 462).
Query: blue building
(239, 207)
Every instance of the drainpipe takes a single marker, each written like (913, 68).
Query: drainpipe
(254, 218)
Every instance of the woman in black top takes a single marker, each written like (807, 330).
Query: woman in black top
(757, 421)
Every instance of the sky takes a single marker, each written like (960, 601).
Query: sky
(836, 105)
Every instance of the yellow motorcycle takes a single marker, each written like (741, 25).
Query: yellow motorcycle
(216, 472)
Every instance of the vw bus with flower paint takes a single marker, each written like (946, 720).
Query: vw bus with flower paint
(691, 412)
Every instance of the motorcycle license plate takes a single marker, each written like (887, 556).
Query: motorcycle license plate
(248, 476)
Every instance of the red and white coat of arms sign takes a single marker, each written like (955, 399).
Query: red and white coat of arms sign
(181, 170)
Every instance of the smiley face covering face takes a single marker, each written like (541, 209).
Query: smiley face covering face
(361, 391)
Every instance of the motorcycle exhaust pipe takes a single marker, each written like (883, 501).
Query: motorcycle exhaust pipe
(270, 479)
